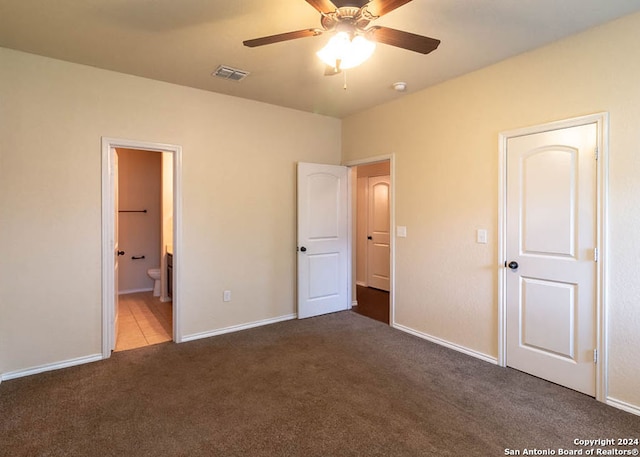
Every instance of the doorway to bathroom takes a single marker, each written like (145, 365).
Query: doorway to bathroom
(141, 239)
(145, 245)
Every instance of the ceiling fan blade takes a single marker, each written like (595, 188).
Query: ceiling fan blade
(404, 40)
(323, 6)
(354, 3)
(382, 7)
(281, 37)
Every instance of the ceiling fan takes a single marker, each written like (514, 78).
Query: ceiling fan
(353, 41)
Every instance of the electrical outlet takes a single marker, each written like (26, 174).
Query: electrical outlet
(226, 295)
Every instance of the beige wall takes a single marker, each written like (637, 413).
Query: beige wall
(446, 143)
(361, 210)
(374, 169)
(238, 163)
(139, 188)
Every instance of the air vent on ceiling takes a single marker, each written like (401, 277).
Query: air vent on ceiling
(232, 74)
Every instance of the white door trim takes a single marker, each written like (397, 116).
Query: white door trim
(602, 181)
(392, 226)
(108, 227)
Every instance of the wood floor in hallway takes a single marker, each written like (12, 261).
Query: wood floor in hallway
(143, 320)
(373, 303)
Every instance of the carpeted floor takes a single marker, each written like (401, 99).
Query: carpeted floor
(335, 385)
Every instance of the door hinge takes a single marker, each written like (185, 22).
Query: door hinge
(597, 153)
(595, 356)
(595, 254)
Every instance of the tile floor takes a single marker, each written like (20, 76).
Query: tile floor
(143, 320)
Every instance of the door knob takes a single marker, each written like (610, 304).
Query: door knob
(120, 252)
(513, 265)
(303, 249)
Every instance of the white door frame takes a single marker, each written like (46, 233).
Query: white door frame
(392, 226)
(108, 231)
(602, 180)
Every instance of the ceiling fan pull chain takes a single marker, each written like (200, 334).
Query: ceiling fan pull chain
(344, 72)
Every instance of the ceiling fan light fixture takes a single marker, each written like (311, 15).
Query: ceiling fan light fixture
(343, 52)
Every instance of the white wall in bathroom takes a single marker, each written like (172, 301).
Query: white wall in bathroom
(139, 181)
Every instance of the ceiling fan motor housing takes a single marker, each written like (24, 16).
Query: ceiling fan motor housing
(347, 19)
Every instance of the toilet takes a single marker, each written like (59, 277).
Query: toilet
(154, 273)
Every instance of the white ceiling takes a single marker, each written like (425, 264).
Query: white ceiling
(183, 41)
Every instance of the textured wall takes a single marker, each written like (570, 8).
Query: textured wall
(446, 144)
(238, 160)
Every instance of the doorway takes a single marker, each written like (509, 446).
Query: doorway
(144, 230)
(372, 239)
(370, 301)
(551, 295)
(327, 208)
(111, 249)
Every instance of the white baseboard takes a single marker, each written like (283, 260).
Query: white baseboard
(237, 328)
(441, 342)
(50, 367)
(134, 291)
(96, 357)
(628, 407)
(354, 303)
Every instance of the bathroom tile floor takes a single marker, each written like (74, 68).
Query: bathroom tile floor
(142, 320)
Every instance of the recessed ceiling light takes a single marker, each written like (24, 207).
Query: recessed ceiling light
(399, 86)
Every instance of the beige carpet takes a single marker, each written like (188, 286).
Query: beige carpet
(336, 385)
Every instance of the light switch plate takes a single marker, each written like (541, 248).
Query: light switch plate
(401, 231)
(481, 236)
(226, 295)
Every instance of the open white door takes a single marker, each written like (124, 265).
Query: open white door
(323, 260)
(116, 247)
(551, 241)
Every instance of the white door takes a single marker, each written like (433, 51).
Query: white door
(116, 247)
(378, 267)
(322, 239)
(551, 241)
